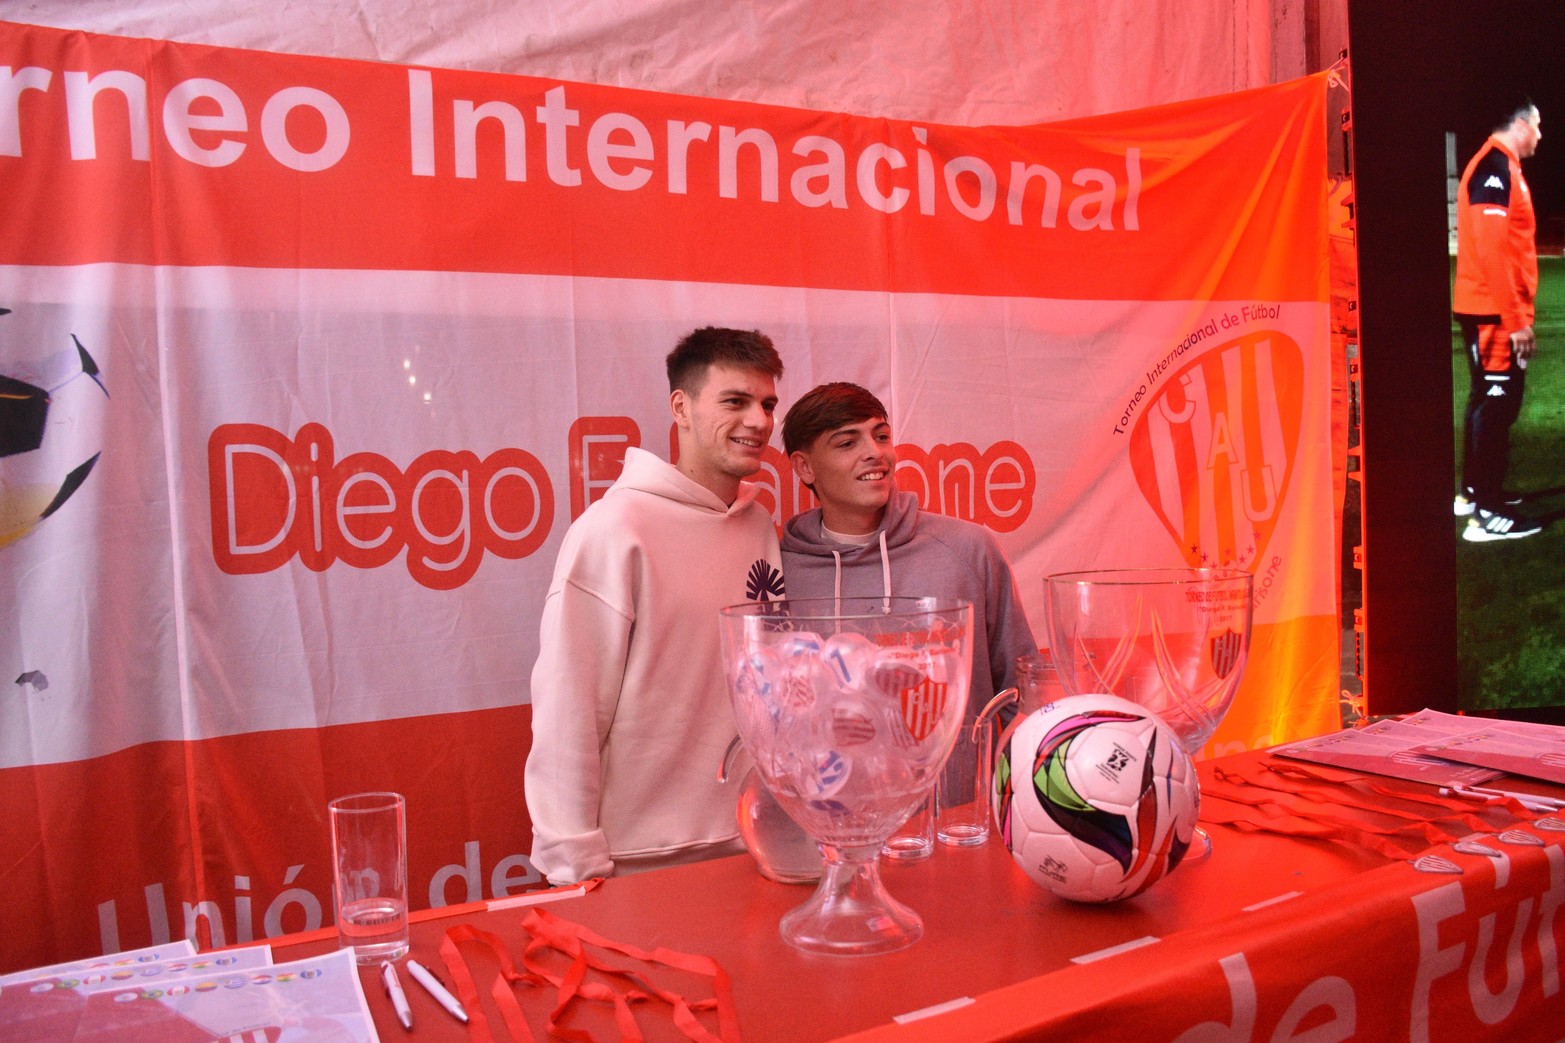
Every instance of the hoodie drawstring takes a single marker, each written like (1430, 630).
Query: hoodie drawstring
(885, 575)
(836, 587)
(885, 569)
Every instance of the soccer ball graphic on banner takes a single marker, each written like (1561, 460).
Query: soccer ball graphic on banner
(1096, 800)
(52, 406)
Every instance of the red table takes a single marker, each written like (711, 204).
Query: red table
(1272, 937)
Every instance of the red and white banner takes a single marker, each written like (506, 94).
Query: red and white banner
(1426, 957)
(348, 345)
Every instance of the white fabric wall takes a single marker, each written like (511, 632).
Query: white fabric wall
(951, 61)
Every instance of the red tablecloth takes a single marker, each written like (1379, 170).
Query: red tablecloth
(1272, 937)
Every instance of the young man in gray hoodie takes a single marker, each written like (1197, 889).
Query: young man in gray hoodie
(868, 538)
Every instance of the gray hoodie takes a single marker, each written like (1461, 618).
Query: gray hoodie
(921, 555)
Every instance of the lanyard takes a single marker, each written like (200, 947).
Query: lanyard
(547, 934)
(1296, 801)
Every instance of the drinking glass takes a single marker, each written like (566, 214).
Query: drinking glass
(962, 791)
(849, 707)
(1037, 682)
(369, 844)
(914, 840)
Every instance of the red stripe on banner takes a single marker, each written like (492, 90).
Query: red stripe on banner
(226, 839)
(152, 152)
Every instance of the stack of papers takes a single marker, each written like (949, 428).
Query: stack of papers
(1441, 749)
(167, 994)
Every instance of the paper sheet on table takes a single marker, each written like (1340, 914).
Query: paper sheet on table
(151, 954)
(1518, 747)
(1391, 748)
(317, 999)
(50, 1006)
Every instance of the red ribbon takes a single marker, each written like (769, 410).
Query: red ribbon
(1291, 807)
(549, 933)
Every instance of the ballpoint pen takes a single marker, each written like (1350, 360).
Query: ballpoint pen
(435, 988)
(399, 999)
(1526, 800)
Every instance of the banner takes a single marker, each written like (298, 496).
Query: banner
(310, 363)
(1472, 955)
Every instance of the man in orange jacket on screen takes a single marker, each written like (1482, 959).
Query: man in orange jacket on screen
(1496, 283)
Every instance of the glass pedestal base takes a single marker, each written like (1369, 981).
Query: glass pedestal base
(851, 913)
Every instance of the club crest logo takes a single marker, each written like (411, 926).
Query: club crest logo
(921, 707)
(850, 727)
(1214, 450)
(1227, 649)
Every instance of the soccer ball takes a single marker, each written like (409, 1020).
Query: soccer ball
(1096, 800)
(52, 406)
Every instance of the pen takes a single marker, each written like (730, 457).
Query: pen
(1527, 800)
(399, 999)
(1534, 798)
(433, 986)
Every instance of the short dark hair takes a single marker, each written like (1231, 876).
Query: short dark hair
(1514, 107)
(713, 345)
(826, 408)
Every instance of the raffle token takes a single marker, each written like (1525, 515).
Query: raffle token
(798, 686)
(766, 670)
(851, 725)
(896, 669)
(802, 642)
(848, 657)
(1436, 864)
(831, 774)
(1523, 839)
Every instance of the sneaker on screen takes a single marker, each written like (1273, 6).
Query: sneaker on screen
(1486, 526)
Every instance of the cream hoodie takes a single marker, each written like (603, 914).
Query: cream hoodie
(630, 708)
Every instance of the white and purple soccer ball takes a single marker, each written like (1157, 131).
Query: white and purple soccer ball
(1095, 798)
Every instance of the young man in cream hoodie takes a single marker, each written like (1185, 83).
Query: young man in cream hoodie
(630, 707)
(868, 539)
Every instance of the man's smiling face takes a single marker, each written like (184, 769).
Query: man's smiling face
(725, 426)
(853, 470)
